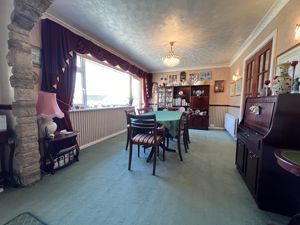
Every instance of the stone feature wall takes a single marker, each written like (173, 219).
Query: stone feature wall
(25, 14)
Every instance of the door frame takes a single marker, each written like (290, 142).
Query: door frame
(271, 37)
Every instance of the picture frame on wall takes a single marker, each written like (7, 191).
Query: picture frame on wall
(36, 55)
(238, 87)
(219, 86)
(290, 55)
(205, 75)
(232, 89)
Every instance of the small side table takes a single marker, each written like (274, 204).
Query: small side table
(6, 140)
(59, 151)
(289, 160)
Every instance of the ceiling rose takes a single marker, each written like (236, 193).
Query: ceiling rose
(171, 59)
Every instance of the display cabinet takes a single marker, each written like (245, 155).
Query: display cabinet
(165, 97)
(195, 99)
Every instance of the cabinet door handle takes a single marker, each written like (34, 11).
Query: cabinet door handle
(250, 155)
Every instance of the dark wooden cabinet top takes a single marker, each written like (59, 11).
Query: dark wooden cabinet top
(60, 137)
(277, 118)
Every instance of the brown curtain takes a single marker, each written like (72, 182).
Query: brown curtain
(65, 92)
(59, 65)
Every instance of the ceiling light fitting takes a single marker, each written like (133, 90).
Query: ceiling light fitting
(171, 59)
(297, 32)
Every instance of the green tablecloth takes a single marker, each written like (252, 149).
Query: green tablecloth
(170, 119)
(292, 156)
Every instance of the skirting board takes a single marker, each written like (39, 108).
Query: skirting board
(216, 128)
(102, 139)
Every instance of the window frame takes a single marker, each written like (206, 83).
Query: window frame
(82, 71)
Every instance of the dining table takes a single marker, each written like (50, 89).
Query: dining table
(170, 120)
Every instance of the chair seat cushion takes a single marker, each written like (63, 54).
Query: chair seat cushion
(146, 139)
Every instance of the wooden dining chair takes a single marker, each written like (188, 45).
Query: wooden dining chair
(185, 127)
(148, 109)
(173, 108)
(132, 112)
(181, 134)
(140, 111)
(146, 134)
(144, 110)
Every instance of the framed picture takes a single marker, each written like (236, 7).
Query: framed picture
(232, 89)
(194, 77)
(219, 86)
(238, 87)
(36, 56)
(205, 75)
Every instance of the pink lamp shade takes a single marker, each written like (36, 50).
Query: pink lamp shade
(47, 106)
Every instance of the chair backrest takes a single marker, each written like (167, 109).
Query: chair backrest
(173, 108)
(129, 111)
(148, 109)
(141, 111)
(143, 123)
(183, 120)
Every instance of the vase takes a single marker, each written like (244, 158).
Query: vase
(282, 84)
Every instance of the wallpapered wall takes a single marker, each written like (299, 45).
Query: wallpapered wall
(285, 23)
(36, 42)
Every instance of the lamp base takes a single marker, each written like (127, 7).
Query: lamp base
(47, 127)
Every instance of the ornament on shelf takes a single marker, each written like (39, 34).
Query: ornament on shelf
(282, 84)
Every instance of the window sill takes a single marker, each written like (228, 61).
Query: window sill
(96, 109)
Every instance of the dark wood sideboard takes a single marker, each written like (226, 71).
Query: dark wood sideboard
(269, 124)
(194, 98)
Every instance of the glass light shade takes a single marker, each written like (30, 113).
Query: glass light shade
(171, 59)
(297, 32)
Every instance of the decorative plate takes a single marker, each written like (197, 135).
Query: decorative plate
(180, 93)
(198, 92)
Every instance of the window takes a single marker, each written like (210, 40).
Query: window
(257, 71)
(99, 86)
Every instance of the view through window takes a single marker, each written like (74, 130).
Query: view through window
(100, 86)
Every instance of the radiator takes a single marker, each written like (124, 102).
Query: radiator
(97, 124)
(231, 124)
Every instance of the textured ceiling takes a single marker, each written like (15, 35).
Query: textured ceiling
(206, 32)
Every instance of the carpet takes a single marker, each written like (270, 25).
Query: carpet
(25, 218)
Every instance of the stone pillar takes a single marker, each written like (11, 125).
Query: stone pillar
(24, 15)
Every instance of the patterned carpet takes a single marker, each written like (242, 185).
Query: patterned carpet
(25, 219)
(203, 189)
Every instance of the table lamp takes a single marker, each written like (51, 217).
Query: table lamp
(47, 108)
